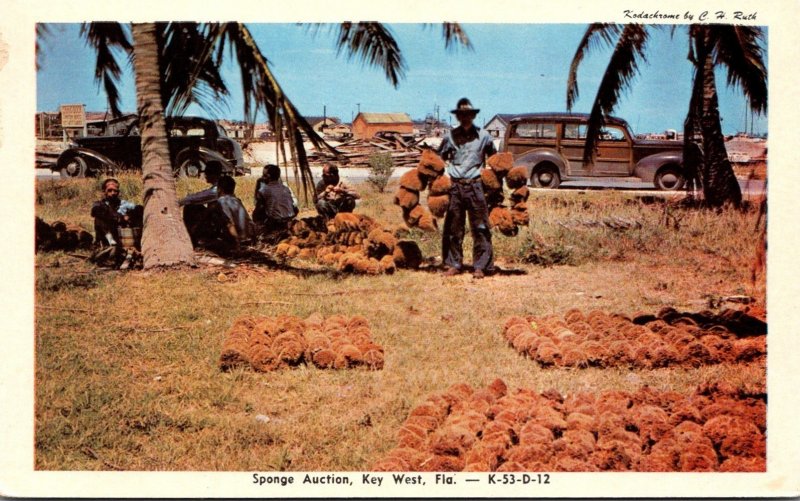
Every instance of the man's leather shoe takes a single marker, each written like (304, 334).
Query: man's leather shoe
(451, 272)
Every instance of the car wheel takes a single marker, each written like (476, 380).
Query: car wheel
(75, 167)
(191, 167)
(669, 179)
(546, 177)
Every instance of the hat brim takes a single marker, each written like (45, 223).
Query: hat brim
(474, 111)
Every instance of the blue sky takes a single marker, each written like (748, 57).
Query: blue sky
(514, 68)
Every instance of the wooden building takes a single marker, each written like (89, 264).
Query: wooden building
(366, 125)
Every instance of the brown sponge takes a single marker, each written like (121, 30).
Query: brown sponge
(438, 205)
(407, 254)
(413, 180)
(517, 178)
(405, 198)
(430, 164)
(440, 186)
(501, 218)
(519, 217)
(520, 194)
(490, 180)
(346, 221)
(380, 243)
(501, 162)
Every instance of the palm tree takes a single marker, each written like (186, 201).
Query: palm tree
(736, 48)
(180, 65)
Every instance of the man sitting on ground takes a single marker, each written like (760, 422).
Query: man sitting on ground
(195, 209)
(275, 202)
(236, 225)
(112, 213)
(333, 196)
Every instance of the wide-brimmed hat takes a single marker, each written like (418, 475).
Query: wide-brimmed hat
(464, 105)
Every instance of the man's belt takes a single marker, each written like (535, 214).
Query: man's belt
(465, 180)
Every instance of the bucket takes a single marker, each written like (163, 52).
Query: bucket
(130, 238)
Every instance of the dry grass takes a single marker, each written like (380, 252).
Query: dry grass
(126, 373)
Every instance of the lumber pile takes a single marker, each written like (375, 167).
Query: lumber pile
(430, 175)
(350, 243)
(270, 343)
(495, 429)
(356, 152)
(669, 339)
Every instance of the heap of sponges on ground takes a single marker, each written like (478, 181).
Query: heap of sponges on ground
(430, 175)
(670, 338)
(270, 343)
(61, 236)
(717, 428)
(352, 243)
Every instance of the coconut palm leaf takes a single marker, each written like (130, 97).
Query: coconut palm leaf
(375, 45)
(738, 49)
(190, 71)
(620, 72)
(104, 38)
(595, 34)
(454, 35)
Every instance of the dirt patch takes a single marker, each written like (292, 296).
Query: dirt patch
(495, 429)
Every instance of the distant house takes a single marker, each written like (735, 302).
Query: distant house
(235, 129)
(321, 124)
(497, 125)
(366, 125)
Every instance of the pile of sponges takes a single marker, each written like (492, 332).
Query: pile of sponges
(351, 243)
(271, 343)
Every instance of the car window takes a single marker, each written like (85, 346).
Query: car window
(612, 134)
(534, 130)
(574, 131)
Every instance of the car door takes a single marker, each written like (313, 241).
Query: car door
(613, 153)
(573, 140)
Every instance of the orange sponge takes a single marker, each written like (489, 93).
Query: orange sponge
(501, 162)
(413, 180)
(490, 180)
(430, 164)
(440, 186)
(438, 204)
(517, 178)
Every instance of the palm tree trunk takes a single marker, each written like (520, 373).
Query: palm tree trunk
(165, 241)
(716, 172)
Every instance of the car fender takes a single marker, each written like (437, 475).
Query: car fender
(205, 154)
(530, 159)
(647, 167)
(65, 155)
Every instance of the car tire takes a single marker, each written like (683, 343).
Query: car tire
(75, 167)
(191, 167)
(669, 179)
(545, 176)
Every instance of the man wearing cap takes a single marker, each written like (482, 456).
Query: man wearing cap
(465, 149)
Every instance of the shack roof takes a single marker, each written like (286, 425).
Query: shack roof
(385, 118)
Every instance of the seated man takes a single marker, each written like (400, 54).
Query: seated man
(235, 224)
(195, 210)
(112, 213)
(332, 195)
(275, 203)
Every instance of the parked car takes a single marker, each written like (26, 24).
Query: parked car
(550, 146)
(193, 141)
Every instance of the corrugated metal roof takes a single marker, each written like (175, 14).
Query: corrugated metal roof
(386, 118)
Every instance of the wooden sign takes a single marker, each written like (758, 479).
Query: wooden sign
(72, 115)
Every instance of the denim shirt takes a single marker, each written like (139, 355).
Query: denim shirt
(465, 159)
(201, 197)
(235, 212)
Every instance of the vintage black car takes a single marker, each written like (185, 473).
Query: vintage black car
(193, 141)
(551, 147)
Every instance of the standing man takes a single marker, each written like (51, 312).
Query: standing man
(275, 204)
(465, 149)
(333, 196)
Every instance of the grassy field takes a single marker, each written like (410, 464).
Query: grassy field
(126, 374)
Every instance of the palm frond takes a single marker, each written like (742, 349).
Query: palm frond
(104, 38)
(620, 72)
(375, 45)
(454, 35)
(42, 34)
(739, 49)
(190, 71)
(596, 33)
(262, 92)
